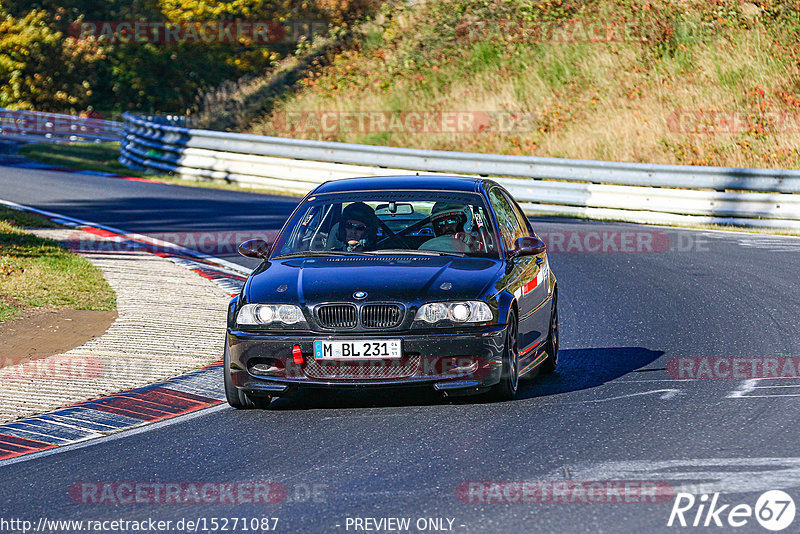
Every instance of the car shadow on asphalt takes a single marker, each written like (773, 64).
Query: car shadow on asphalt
(588, 368)
(577, 369)
(384, 398)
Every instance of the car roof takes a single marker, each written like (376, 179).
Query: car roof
(405, 183)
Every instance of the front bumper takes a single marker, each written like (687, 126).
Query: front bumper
(448, 361)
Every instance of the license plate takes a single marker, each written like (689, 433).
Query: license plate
(368, 349)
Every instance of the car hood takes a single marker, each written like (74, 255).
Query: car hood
(401, 278)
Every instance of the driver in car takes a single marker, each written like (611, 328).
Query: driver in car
(357, 229)
(452, 224)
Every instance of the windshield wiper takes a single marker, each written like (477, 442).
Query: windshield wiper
(307, 253)
(413, 251)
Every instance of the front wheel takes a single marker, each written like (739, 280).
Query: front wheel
(236, 397)
(506, 389)
(551, 346)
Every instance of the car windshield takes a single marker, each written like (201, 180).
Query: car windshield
(407, 222)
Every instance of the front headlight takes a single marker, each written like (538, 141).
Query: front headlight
(269, 314)
(473, 311)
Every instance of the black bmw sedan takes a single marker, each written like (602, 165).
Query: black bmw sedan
(400, 281)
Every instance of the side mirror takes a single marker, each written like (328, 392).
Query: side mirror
(255, 248)
(528, 246)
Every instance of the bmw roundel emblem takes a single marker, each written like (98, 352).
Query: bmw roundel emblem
(360, 295)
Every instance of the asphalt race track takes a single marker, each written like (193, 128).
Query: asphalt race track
(613, 413)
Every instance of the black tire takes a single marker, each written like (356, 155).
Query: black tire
(237, 398)
(507, 388)
(551, 346)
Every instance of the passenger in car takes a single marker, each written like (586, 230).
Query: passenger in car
(452, 224)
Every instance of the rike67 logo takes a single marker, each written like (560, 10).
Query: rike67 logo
(774, 510)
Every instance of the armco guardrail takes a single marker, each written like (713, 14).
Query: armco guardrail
(667, 194)
(39, 126)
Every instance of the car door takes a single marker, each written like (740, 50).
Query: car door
(539, 281)
(521, 274)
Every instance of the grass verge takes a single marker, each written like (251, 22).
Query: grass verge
(37, 272)
(663, 81)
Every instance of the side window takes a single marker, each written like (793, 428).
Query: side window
(305, 230)
(521, 219)
(507, 218)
